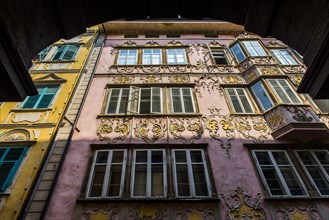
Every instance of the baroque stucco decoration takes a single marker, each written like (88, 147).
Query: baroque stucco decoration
(213, 123)
(204, 212)
(179, 79)
(297, 211)
(270, 71)
(113, 129)
(122, 80)
(96, 211)
(232, 79)
(294, 69)
(258, 125)
(206, 82)
(300, 113)
(148, 212)
(151, 129)
(28, 117)
(149, 79)
(242, 205)
(186, 130)
(16, 135)
(296, 78)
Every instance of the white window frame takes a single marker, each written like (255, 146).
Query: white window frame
(151, 100)
(284, 91)
(149, 174)
(266, 93)
(190, 173)
(151, 56)
(214, 53)
(175, 56)
(318, 164)
(182, 101)
(119, 101)
(280, 176)
(107, 174)
(284, 57)
(253, 48)
(239, 100)
(240, 49)
(127, 56)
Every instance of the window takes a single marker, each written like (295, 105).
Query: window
(219, 56)
(149, 174)
(284, 57)
(316, 166)
(43, 99)
(152, 56)
(284, 91)
(58, 52)
(262, 96)
(107, 175)
(278, 174)
(176, 56)
(127, 57)
(254, 48)
(10, 160)
(182, 100)
(238, 53)
(190, 174)
(135, 100)
(238, 100)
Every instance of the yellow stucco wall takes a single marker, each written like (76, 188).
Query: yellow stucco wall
(36, 128)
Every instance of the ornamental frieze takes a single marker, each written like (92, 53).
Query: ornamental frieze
(150, 79)
(253, 128)
(270, 71)
(112, 130)
(151, 129)
(186, 130)
(179, 79)
(300, 210)
(296, 78)
(242, 205)
(96, 211)
(232, 79)
(294, 69)
(15, 135)
(122, 80)
(204, 212)
(148, 212)
(206, 82)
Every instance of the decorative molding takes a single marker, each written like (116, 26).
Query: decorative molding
(200, 65)
(16, 135)
(113, 129)
(299, 113)
(297, 211)
(75, 40)
(122, 79)
(275, 44)
(197, 211)
(151, 69)
(247, 35)
(129, 43)
(28, 117)
(174, 43)
(179, 132)
(270, 71)
(232, 79)
(242, 205)
(148, 212)
(206, 82)
(152, 43)
(150, 79)
(215, 44)
(157, 127)
(96, 211)
(294, 69)
(50, 78)
(179, 79)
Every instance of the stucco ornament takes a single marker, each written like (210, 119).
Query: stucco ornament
(199, 48)
(122, 80)
(296, 78)
(113, 129)
(150, 79)
(270, 71)
(297, 211)
(206, 82)
(213, 123)
(150, 130)
(187, 130)
(242, 206)
(177, 68)
(294, 69)
(299, 113)
(200, 65)
(275, 119)
(275, 44)
(28, 117)
(179, 79)
(204, 212)
(151, 69)
(148, 212)
(122, 69)
(93, 211)
(250, 76)
(232, 79)
(256, 124)
(15, 135)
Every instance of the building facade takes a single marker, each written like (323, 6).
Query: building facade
(195, 120)
(28, 128)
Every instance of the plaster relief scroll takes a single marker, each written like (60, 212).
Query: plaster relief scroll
(297, 211)
(113, 129)
(106, 212)
(150, 130)
(148, 211)
(202, 212)
(186, 130)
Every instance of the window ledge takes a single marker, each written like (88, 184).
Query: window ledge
(17, 143)
(148, 200)
(295, 198)
(54, 61)
(31, 109)
(147, 115)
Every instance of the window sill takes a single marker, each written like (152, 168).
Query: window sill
(148, 115)
(151, 65)
(148, 200)
(295, 198)
(54, 61)
(31, 109)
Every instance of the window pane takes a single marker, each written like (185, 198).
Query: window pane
(102, 157)
(145, 101)
(31, 101)
(97, 182)
(200, 181)
(5, 170)
(117, 156)
(273, 181)
(237, 51)
(157, 157)
(59, 52)
(183, 186)
(196, 156)
(156, 100)
(157, 180)
(140, 180)
(263, 158)
(114, 180)
(113, 101)
(291, 94)
(188, 102)
(284, 98)
(180, 156)
(141, 156)
(292, 181)
(45, 101)
(262, 96)
(176, 99)
(124, 101)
